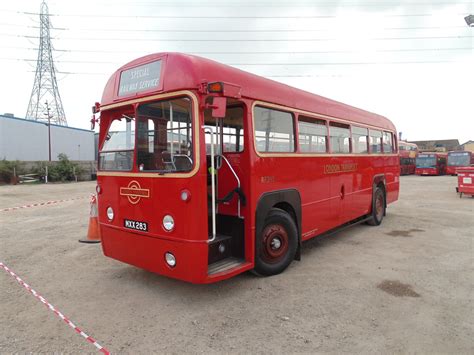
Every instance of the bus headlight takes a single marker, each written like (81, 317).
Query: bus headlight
(170, 259)
(185, 195)
(168, 222)
(110, 213)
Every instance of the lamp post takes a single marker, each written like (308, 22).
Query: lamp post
(48, 114)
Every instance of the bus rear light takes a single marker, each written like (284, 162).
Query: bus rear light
(170, 259)
(185, 195)
(217, 87)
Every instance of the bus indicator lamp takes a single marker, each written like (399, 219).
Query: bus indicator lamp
(170, 259)
(217, 87)
(168, 223)
(110, 213)
(185, 195)
(98, 189)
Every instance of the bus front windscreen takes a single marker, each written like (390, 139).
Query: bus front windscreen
(165, 136)
(426, 161)
(458, 159)
(117, 149)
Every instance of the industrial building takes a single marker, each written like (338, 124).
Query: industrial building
(444, 145)
(28, 140)
(469, 145)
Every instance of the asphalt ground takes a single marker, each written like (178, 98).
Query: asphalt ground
(405, 286)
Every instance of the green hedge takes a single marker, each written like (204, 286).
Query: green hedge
(8, 168)
(62, 170)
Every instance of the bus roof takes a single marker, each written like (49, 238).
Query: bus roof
(441, 154)
(460, 151)
(182, 71)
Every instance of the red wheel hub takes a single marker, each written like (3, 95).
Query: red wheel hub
(274, 243)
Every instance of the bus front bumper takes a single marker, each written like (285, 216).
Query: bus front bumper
(149, 253)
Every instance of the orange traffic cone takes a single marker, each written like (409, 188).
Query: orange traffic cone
(93, 233)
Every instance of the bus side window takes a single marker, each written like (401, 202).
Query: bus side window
(274, 130)
(359, 140)
(375, 141)
(312, 135)
(339, 134)
(387, 143)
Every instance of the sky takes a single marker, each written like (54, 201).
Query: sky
(411, 61)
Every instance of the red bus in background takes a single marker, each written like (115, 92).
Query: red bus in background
(431, 163)
(206, 171)
(459, 159)
(408, 153)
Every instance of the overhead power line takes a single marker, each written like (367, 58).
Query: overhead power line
(238, 40)
(292, 4)
(282, 4)
(288, 30)
(256, 52)
(274, 64)
(225, 17)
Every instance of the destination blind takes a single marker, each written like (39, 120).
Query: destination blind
(138, 79)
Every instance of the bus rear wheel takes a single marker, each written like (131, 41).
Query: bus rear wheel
(378, 207)
(277, 243)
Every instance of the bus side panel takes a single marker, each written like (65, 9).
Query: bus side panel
(392, 179)
(362, 179)
(321, 181)
(280, 173)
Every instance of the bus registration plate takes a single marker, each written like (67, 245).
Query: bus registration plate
(467, 180)
(136, 225)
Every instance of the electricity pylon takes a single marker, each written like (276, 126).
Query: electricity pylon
(45, 87)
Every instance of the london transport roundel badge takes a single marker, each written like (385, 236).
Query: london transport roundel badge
(134, 192)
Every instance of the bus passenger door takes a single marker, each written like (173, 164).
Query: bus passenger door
(229, 136)
(229, 175)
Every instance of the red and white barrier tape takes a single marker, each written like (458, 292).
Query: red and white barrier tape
(41, 204)
(52, 308)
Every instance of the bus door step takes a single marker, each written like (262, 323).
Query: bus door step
(224, 265)
(220, 248)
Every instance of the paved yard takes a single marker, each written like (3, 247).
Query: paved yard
(406, 286)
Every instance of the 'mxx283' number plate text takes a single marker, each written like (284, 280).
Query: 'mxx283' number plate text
(139, 226)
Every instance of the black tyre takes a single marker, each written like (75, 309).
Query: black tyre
(378, 207)
(277, 243)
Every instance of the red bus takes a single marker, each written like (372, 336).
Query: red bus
(408, 153)
(431, 163)
(459, 159)
(206, 171)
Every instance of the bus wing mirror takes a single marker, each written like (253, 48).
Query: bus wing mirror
(219, 105)
(92, 123)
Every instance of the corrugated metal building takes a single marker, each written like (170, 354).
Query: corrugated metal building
(443, 145)
(27, 140)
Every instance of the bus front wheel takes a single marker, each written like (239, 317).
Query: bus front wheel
(378, 207)
(277, 243)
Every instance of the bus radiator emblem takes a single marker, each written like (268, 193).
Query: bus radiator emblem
(134, 192)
